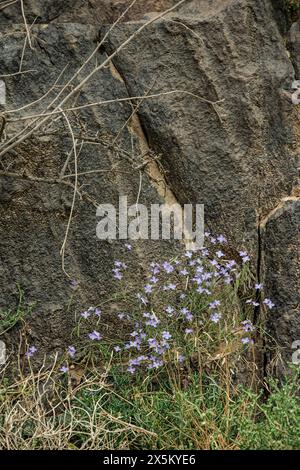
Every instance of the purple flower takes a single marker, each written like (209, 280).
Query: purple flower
(252, 302)
(167, 267)
(219, 254)
(74, 284)
(188, 254)
(117, 348)
(244, 255)
(184, 272)
(221, 239)
(214, 304)
(259, 286)
(214, 263)
(64, 369)
(154, 279)
(148, 289)
(156, 363)
(169, 309)
(153, 322)
(166, 335)
(188, 331)
(269, 303)
(229, 265)
(171, 286)
(97, 312)
(117, 274)
(215, 317)
(152, 342)
(31, 351)
(128, 246)
(85, 314)
(181, 359)
(247, 341)
(121, 315)
(247, 325)
(95, 336)
(131, 369)
(71, 351)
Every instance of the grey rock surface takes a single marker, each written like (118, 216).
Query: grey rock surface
(294, 46)
(281, 274)
(235, 157)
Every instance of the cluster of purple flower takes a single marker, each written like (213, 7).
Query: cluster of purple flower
(117, 270)
(168, 308)
(90, 312)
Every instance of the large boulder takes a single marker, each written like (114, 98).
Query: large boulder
(235, 156)
(35, 200)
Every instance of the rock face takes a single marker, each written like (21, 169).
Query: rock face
(281, 268)
(294, 46)
(215, 126)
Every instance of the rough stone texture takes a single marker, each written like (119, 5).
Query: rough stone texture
(238, 162)
(35, 209)
(238, 157)
(83, 11)
(281, 268)
(294, 46)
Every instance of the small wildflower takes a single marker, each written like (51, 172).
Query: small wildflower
(74, 284)
(215, 317)
(169, 309)
(247, 340)
(71, 351)
(148, 289)
(171, 286)
(269, 303)
(181, 359)
(259, 286)
(97, 312)
(214, 304)
(117, 348)
(95, 336)
(117, 274)
(64, 369)
(221, 239)
(85, 314)
(219, 254)
(128, 246)
(168, 267)
(166, 335)
(31, 351)
(131, 369)
(188, 331)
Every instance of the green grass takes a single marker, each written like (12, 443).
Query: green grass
(9, 318)
(185, 410)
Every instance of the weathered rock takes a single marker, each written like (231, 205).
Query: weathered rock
(236, 157)
(294, 46)
(35, 203)
(281, 274)
(77, 11)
